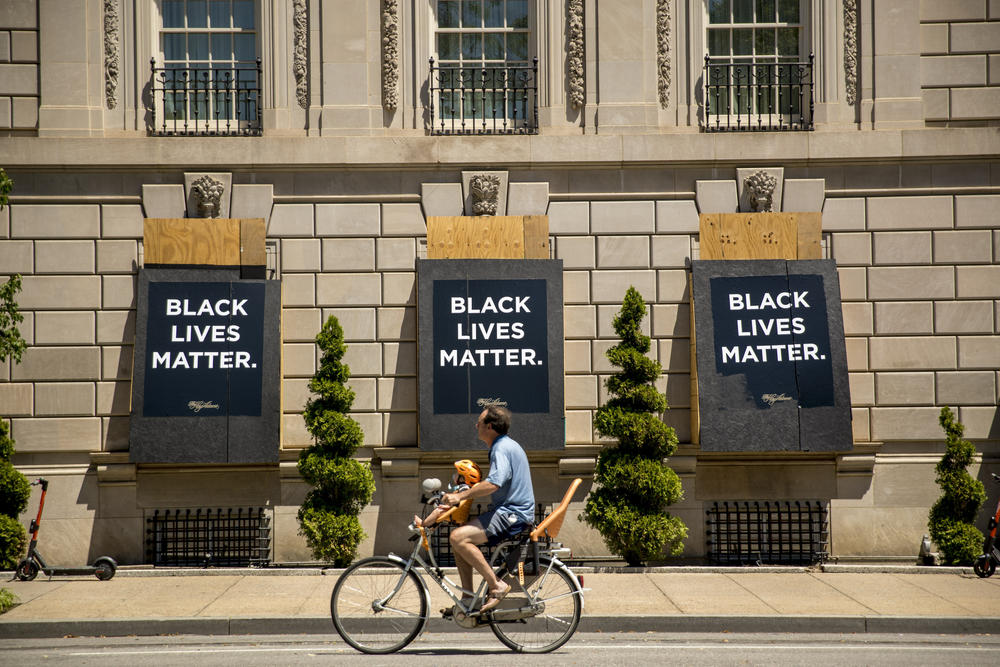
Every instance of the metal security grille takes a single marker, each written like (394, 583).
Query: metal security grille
(441, 547)
(752, 532)
(239, 537)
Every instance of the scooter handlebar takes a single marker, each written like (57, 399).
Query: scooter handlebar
(41, 481)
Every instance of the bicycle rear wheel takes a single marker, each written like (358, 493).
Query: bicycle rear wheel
(558, 605)
(377, 607)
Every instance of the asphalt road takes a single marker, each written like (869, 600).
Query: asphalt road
(482, 649)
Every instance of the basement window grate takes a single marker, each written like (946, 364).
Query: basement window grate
(230, 537)
(767, 532)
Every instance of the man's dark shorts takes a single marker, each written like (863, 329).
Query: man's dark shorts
(501, 525)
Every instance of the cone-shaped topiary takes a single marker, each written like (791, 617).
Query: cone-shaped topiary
(342, 486)
(14, 487)
(14, 494)
(635, 486)
(951, 518)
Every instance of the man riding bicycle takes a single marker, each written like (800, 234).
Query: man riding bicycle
(511, 507)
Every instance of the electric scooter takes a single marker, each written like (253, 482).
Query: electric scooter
(103, 568)
(986, 564)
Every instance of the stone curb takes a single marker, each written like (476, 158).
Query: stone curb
(321, 625)
(128, 571)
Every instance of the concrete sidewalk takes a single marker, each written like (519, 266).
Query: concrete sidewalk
(833, 598)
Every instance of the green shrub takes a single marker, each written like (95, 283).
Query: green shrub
(342, 486)
(6, 442)
(13, 542)
(7, 600)
(635, 486)
(14, 494)
(951, 518)
(14, 490)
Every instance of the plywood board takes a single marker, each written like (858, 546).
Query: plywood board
(695, 416)
(710, 235)
(749, 236)
(810, 233)
(536, 237)
(482, 237)
(252, 250)
(192, 241)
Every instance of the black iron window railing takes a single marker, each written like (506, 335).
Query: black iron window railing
(761, 532)
(210, 100)
(203, 537)
(500, 99)
(758, 96)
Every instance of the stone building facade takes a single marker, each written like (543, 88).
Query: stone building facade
(618, 137)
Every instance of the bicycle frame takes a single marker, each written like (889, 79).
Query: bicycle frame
(431, 569)
(987, 563)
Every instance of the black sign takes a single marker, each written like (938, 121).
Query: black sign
(771, 357)
(489, 341)
(206, 380)
(773, 331)
(204, 349)
(490, 331)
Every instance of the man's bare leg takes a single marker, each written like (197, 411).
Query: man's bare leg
(465, 541)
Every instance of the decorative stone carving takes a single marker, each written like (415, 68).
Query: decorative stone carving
(485, 190)
(761, 187)
(300, 64)
(208, 193)
(111, 53)
(574, 61)
(851, 50)
(663, 51)
(390, 54)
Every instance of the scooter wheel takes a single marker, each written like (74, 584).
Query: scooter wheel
(27, 570)
(984, 566)
(104, 569)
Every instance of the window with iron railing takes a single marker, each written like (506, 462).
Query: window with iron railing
(209, 82)
(756, 77)
(759, 96)
(482, 80)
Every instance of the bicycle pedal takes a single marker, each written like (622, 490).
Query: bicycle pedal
(447, 612)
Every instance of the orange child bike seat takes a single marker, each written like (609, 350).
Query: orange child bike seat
(459, 513)
(550, 525)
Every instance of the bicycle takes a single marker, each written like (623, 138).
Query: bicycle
(381, 604)
(986, 564)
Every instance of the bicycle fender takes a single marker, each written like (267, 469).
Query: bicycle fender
(423, 589)
(572, 577)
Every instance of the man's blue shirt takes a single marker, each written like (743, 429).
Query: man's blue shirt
(509, 470)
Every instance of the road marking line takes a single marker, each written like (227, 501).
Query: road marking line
(494, 647)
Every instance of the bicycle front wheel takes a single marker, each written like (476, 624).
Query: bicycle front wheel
(554, 604)
(377, 607)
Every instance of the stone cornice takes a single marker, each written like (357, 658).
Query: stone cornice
(422, 152)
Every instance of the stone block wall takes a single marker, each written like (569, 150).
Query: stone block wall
(960, 60)
(919, 279)
(70, 393)
(921, 314)
(18, 67)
